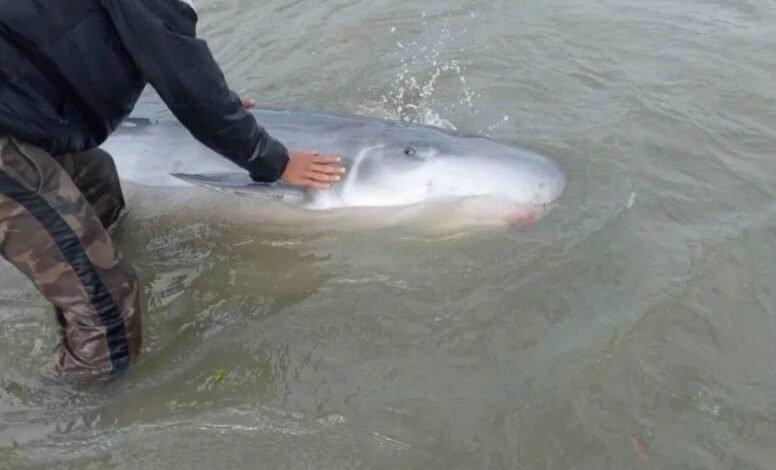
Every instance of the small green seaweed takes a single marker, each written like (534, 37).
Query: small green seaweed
(218, 375)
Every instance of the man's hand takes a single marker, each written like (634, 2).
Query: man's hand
(309, 169)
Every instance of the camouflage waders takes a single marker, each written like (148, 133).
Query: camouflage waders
(55, 214)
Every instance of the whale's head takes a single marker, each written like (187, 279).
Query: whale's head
(521, 183)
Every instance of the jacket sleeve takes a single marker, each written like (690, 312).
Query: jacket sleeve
(160, 37)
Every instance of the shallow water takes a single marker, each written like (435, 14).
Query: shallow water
(631, 328)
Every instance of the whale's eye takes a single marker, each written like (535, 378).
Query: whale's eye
(410, 151)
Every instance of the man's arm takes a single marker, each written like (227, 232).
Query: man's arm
(160, 36)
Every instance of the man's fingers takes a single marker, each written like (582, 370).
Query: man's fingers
(317, 185)
(316, 176)
(330, 170)
(325, 159)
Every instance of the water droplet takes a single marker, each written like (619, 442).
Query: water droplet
(631, 200)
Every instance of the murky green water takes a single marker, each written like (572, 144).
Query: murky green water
(634, 327)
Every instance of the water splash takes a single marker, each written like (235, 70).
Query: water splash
(498, 124)
(429, 77)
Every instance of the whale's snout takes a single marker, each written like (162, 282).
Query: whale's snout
(550, 184)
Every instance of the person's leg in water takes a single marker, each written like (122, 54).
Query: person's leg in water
(94, 174)
(55, 233)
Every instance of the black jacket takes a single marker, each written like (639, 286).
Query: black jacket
(72, 70)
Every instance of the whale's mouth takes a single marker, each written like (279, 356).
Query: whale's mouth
(523, 217)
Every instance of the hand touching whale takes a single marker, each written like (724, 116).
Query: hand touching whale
(310, 169)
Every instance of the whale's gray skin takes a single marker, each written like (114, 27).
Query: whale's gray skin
(389, 163)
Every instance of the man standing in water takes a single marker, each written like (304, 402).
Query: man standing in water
(70, 72)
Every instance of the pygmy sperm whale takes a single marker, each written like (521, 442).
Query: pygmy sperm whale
(389, 164)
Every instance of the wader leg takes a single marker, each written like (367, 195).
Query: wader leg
(94, 174)
(50, 232)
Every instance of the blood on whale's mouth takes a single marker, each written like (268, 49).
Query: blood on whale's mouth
(522, 217)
